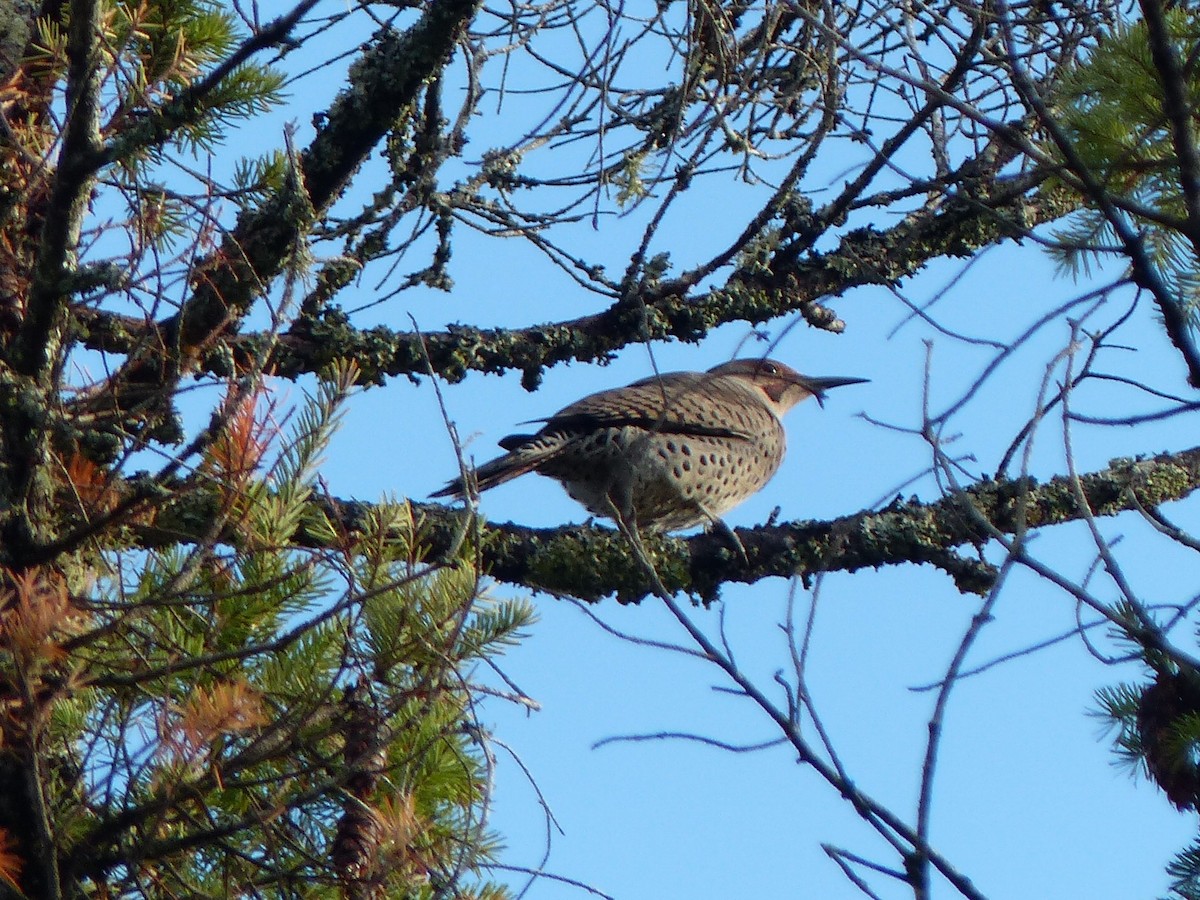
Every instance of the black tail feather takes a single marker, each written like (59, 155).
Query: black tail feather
(493, 473)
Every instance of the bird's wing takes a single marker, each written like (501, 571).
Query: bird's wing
(585, 422)
(662, 404)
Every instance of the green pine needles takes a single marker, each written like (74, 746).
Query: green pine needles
(1111, 113)
(257, 718)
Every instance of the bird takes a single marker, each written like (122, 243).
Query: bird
(666, 453)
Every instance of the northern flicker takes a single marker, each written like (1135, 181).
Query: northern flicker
(667, 452)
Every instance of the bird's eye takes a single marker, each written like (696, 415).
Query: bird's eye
(770, 368)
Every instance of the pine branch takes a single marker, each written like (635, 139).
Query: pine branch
(189, 107)
(35, 349)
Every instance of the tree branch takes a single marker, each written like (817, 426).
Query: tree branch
(385, 82)
(983, 212)
(592, 562)
(35, 350)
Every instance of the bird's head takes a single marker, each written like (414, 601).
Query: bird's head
(781, 387)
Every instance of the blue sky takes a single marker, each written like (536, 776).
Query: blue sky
(1027, 801)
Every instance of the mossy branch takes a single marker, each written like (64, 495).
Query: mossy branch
(983, 215)
(388, 78)
(591, 562)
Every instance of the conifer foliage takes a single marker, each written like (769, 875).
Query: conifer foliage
(216, 678)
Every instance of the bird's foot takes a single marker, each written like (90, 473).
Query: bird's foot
(719, 526)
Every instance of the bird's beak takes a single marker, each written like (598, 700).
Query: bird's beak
(817, 386)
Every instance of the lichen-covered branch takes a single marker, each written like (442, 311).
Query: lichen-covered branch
(595, 562)
(985, 213)
(36, 346)
(385, 82)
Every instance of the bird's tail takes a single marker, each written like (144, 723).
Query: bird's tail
(524, 455)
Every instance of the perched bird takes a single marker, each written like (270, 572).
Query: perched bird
(667, 452)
